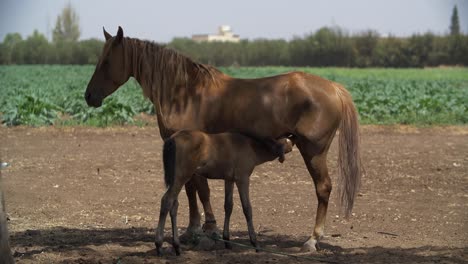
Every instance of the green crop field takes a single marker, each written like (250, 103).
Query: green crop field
(46, 95)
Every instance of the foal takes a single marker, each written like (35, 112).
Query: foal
(228, 156)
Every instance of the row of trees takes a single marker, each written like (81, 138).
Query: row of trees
(333, 47)
(64, 48)
(36, 49)
(325, 47)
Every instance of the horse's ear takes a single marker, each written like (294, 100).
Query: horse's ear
(106, 34)
(119, 36)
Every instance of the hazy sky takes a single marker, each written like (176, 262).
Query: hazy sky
(162, 20)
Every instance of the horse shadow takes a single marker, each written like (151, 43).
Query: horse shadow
(87, 242)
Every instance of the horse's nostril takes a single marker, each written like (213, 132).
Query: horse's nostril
(87, 96)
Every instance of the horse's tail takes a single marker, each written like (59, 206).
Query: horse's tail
(349, 160)
(169, 161)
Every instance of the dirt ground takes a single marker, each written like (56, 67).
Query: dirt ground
(91, 195)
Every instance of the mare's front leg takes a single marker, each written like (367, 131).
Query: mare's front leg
(228, 204)
(194, 226)
(243, 188)
(203, 190)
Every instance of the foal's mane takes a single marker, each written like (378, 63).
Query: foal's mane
(159, 67)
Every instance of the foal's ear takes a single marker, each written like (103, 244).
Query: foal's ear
(106, 34)
(119, 35)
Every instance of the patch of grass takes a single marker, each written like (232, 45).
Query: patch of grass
(44, 95)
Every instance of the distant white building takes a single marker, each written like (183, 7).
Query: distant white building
(224, 35)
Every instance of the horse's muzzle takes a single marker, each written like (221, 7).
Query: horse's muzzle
(91, 100)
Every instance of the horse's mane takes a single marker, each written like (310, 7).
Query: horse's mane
(164, 73)
(160, 67)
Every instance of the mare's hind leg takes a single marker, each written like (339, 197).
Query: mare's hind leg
(317, 167)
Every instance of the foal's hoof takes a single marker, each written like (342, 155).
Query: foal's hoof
(177, 250)
(227, 245)
(159, 251)
(310, 246)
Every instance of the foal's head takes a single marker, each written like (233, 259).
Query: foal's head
(110, 72)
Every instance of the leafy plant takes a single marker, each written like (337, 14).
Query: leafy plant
(28, 109)
(46, 95)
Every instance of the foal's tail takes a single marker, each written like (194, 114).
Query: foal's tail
(349, 160)
(169, 161)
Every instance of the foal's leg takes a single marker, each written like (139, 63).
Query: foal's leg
(228, 189)
(175, 236)
(317, 167)
(168, 202)
(243, 188)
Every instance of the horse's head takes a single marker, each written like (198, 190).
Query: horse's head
(110, 72)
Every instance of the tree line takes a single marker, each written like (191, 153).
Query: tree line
(65, 48)
(328, 46)
(333, 47)
(36, 49)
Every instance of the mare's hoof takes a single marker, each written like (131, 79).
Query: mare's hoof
(210, 228)
(191, 235)
(205, 244)
(310, 246)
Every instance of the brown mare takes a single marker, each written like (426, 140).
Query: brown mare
(228, 156)
(193, 96)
